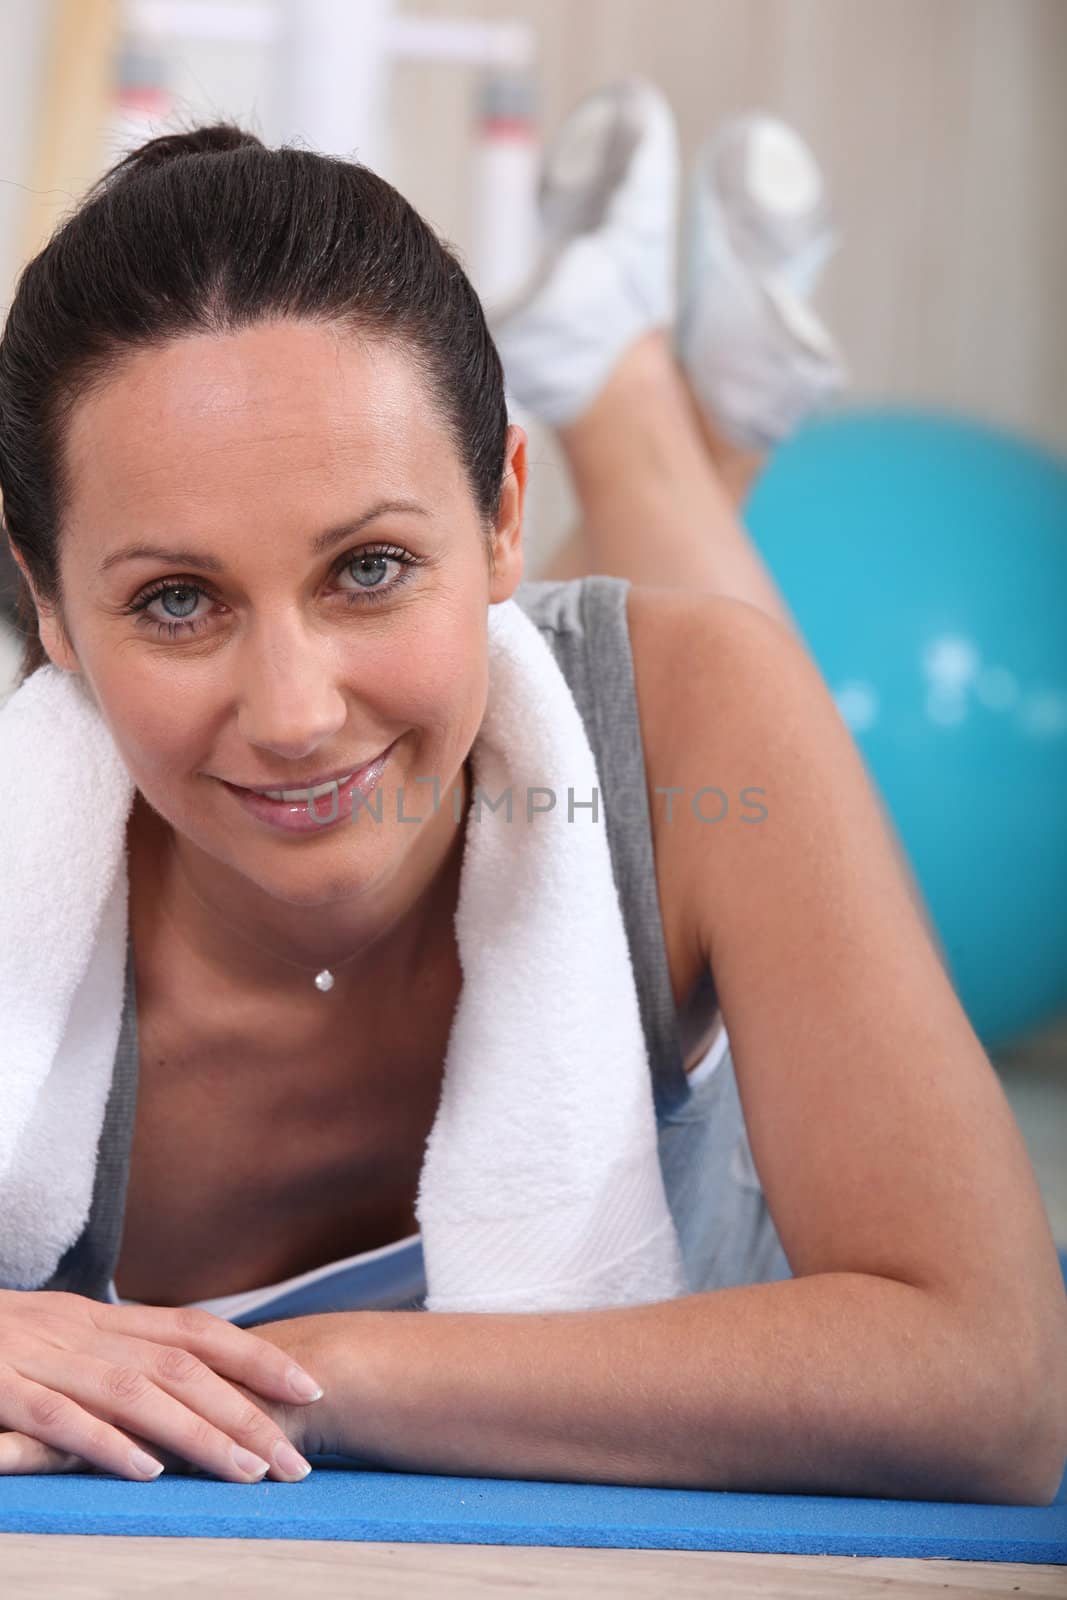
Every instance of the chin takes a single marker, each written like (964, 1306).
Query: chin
(340, 867)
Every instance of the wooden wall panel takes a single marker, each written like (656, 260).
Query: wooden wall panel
(941, 124)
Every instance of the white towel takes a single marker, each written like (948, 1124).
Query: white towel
(541, 1188)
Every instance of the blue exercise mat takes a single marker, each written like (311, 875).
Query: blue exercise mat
(338, 1503)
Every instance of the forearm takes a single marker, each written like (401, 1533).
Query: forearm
(838, 1383)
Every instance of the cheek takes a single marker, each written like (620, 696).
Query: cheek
(438, 689)
(158, 734)
(171, 727)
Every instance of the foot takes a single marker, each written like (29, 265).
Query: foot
(608, 206)
(759, 230)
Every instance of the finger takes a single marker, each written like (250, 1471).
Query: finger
(256, 1425)
(54, 1419)
(19, 1454)
(172, 1398)
(171, 1462)
(232, 1351)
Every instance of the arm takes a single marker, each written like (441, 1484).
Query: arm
(920, 1351)
(880, 1130)
(837, 1383)
(749, 579)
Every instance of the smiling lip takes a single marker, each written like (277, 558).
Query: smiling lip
(305, 783)
(308, 814)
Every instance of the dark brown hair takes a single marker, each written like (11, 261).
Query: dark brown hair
(211, 231)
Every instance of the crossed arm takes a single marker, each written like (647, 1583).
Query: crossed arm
(920, 1350)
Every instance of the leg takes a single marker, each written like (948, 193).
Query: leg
(737, 469)
(571, 560)
(655, 509)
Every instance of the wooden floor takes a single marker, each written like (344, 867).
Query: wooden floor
(37, 1566)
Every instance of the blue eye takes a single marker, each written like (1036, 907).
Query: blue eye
(364, 594)
(374, 558)
(172, 627)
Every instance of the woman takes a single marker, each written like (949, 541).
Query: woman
(268, 360)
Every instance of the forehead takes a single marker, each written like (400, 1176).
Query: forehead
(270, 415)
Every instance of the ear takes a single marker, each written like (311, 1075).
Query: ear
(57, 646)
(507, 533)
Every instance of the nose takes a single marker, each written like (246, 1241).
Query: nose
(289, 700)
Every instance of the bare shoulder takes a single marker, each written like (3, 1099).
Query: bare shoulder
(742, 736)
(680, 644)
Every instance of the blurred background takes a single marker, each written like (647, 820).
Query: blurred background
(919, 534)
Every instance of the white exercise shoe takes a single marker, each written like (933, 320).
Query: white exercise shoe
(758, 231)
(608, 203)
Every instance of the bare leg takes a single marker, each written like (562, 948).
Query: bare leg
(659, 492)
(737, 467)
(737, 470)
(659, 489)
(571, 560)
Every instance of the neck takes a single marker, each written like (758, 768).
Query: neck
(196, 915)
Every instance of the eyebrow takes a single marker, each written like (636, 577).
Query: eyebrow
(321, 543)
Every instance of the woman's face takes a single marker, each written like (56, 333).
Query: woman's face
(290, 643)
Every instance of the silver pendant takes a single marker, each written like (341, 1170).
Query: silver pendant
(324, 980)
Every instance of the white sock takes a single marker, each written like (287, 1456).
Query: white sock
(608, 205)
(759, 231)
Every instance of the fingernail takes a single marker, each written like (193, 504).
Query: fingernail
(290, 1461)
(303, 1384)
(143, 1463)
(248, 1462)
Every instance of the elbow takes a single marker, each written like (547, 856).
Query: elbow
(1046, 1453)
(1015, 1426)
(1009, 1442)
(1035, 1468)
(1033, 1445)
(1018, 1463)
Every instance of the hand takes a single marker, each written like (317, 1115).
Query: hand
(83, 1384)
(308, 1341)
(351, 1352)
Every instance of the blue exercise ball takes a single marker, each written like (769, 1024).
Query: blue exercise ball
(924, 558)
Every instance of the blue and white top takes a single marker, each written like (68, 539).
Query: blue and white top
(392, 1278)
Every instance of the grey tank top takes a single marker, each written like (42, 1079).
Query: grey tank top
(725, 1229)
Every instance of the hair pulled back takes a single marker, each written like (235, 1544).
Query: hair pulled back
(209, 231)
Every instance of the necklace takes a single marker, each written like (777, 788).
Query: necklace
(324, 979)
